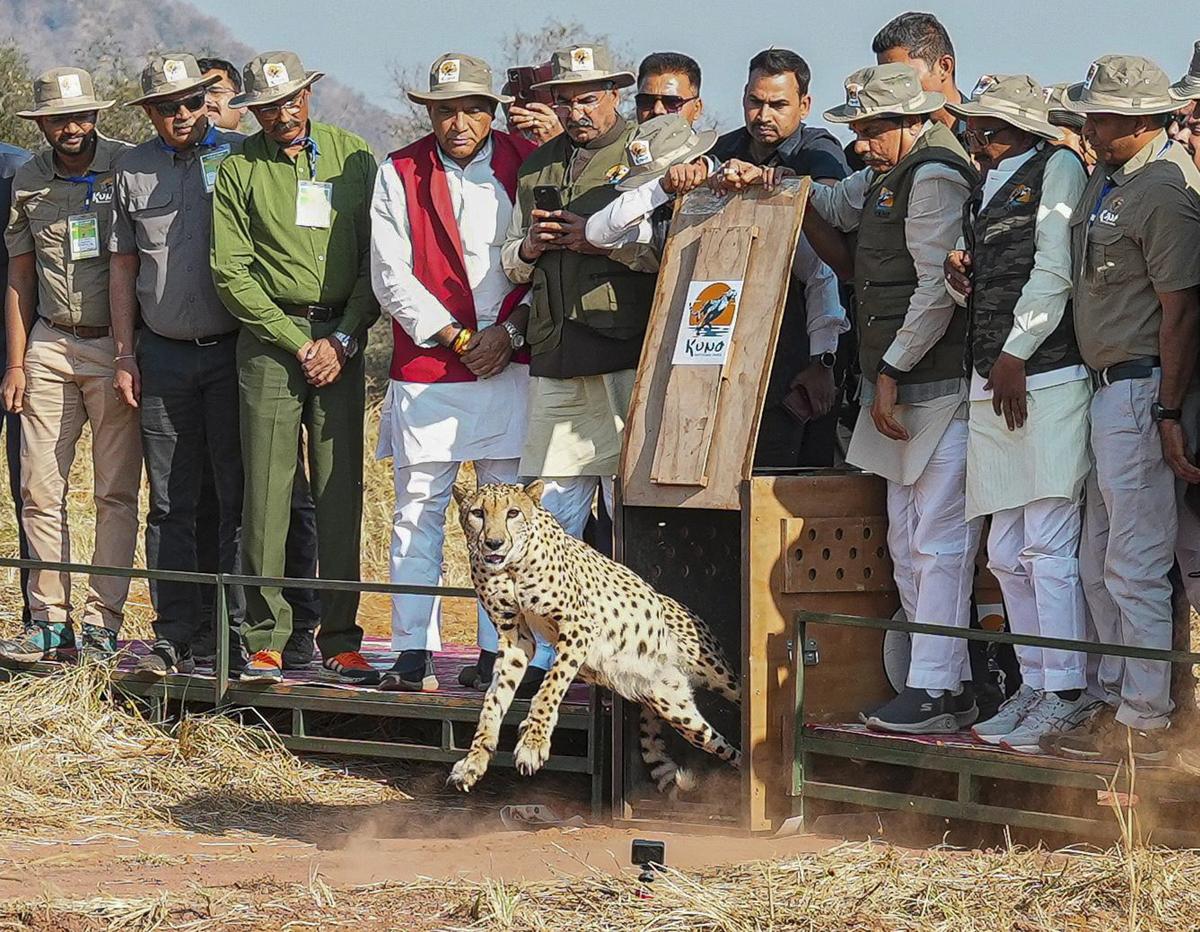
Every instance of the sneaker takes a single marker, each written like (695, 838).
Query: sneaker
(264, 667)
(165, 658)
(531, 682)
(98, 643)
(411, 673)
(352, 667)
(478, 676)
(1051, 715)
(915, 712)
(1008, 716)
(41, 640)
(1189, 761)
(300, 649)
(1148, 746)
(1089, 740)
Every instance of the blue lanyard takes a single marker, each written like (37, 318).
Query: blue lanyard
(1109, 184)
(314, 153)
(90, 180)
(209, 140)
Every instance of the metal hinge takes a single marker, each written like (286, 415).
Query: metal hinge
(812, 654)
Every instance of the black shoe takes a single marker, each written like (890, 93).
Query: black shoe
(530, 683)
(478, 675)
(165, 658)
(915, 712)
(411, 673)
(300, 650)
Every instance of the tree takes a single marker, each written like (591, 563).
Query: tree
(16, 93)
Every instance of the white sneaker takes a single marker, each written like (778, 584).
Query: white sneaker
(1012, 710)
(1053, 715)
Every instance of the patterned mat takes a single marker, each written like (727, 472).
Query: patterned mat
(962, 739)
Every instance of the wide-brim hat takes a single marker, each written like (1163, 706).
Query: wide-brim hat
(271, 77)
(585, 64)
(1188, 87)
(61, 91)
(1127, 85)
(658, 144)
(1016, 99)
(169, 74)
(455, 75)
(1058, 114)
(885, 90)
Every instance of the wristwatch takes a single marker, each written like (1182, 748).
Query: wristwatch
(828, 360)
(349, 344)
(889, 370)
(517, 337)
(1159, 413)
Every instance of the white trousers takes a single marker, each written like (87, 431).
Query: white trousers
(418, 538)
(570, 500)
(1034, 553)
(933, 550)
(1129, 536)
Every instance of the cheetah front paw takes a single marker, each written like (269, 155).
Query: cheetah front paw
(532, 752)
(467, 772)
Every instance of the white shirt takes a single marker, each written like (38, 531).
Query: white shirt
(452, 421)
(626, 220)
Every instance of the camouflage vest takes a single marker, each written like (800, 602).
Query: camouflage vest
(885, 277)
(1000, 239)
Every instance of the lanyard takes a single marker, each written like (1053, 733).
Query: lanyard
(1109, 184)
(209, 140)
(314, 153)
(89, 179)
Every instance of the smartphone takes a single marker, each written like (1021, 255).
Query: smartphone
(643, 852)
(520, 85)
(547, 197)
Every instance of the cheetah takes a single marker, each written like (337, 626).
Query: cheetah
(608, 626)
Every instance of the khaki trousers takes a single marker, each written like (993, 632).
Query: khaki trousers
(68, 382)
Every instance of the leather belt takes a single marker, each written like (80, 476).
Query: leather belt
(201, 341)
(1141, 368)
(82, 333)
(317, 313)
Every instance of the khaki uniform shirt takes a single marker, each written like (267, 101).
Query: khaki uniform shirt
(162, 211)
(1135, 233)
(72, 292)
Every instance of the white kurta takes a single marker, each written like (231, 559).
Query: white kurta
(447, 422)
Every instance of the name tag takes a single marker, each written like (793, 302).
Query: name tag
(209, 163)
(314, 204)
(84, 230)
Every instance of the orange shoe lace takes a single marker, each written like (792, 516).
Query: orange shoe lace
(264, 658)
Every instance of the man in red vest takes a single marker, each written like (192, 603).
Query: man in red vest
(459, 376)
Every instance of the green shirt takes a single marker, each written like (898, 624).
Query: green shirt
(261, 258)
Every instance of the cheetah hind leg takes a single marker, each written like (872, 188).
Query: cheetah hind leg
(673, 700)
(665, 772)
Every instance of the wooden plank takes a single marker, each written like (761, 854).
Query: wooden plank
(744, 377)
(693, 392)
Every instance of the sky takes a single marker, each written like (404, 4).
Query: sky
(363, 41)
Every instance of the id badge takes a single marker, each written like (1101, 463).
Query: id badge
(84, 231)
(209, 163)
(314, 204)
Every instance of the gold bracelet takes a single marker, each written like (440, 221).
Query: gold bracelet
(460, 342)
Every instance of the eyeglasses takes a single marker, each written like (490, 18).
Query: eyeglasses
(218, 92)
(169, 108)
(585, 104)
(672, 103)
(292, 105)
(983, 137)
(86, 118)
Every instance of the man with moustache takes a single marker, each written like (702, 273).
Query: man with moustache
(920, 41)
(291, 260)
(61, 366)
(668, 82)
(300, 561)
(775, 103)
(590, 305)
(459, 385)
(181, 374)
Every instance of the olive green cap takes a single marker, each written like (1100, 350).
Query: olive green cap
(884, 90)
(661, 142)
(585, 64)
(1017, 99)
(271, 77)
(169, 74)
(1127, 85)
(455, 75)
(60, 91)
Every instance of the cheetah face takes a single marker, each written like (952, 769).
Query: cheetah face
(497, 521)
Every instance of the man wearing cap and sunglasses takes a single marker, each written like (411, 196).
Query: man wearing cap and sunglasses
(459, 386)
(1027, 450)
(60, 365)
(1136, 269)
(668, 82)
(907, 208)
(590, 305)
(181, 373)
(291, 259)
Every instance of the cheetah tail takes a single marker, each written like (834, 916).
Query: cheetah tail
(666, 773)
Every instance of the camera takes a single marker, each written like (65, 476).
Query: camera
(649, 856)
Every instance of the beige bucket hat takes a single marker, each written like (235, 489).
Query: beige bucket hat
(584, 64)
(1188, 87)
(660, 143)
(456, 74)
(1127, 85)
(61, 91)
(1017, 99)
(884, 90)
(169, 74)
(272, 77)
(1059, 115)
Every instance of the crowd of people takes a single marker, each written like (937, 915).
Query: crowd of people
(999, 292)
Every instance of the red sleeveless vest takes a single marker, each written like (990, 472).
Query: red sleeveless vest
(438, 257)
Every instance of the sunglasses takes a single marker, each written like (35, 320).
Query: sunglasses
(292, 105)
(169, 108)
(672, 103)
(86, 118)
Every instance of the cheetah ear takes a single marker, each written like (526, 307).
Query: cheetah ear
(535, 489)
(460, 493)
